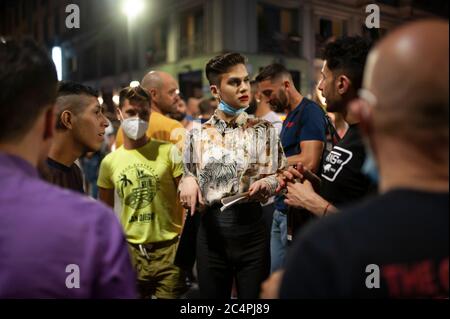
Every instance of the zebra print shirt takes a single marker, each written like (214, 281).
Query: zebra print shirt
(226, 158)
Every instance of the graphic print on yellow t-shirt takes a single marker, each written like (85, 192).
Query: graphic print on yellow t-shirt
(145, 188)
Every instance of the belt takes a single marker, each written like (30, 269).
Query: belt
(144, 248)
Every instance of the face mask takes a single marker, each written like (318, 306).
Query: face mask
(134, 127)
(224, 107)
(369, 167)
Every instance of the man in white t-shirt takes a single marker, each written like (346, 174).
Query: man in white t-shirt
(260, 108)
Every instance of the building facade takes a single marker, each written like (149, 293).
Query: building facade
(109, 50)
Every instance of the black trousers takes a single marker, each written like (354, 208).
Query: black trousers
(232, 244)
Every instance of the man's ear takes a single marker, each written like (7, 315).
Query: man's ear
(286, 84)
(258, 96)
(49, 125)
(343, 84)
(118, 114)
(153, 92)
(66, 119)
(215, 91)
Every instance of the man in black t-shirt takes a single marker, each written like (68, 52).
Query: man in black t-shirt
(69, 177)
(395, 245)
(80, 128)
(343, 181)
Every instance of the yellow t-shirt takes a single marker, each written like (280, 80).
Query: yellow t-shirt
(143, 180)
(160, 128)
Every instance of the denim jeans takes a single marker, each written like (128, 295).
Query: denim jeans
(278, 240)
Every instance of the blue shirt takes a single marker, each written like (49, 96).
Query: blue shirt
(305, 123)
(52, 238)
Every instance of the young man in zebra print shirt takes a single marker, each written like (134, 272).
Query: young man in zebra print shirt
(227, 155)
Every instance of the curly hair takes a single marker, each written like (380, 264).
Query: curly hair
(347, 55)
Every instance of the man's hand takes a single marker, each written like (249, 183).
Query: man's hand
(271, 287)
(290, 175)
(303, 195)
(259, 190)
(190, 193)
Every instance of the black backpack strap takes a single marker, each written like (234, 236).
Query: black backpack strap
(331, 130)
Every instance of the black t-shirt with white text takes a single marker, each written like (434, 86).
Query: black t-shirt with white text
(342, 179)
(393, 246)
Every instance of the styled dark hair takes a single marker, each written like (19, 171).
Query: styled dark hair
(348, 56)
(272, 72)
(134, 95)
(221, 64)
(70, 97)
(73, 88)
(28, 84)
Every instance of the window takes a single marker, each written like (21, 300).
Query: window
(107, 57)
(46, 26)
(191, 83)
(56, 21)
(327, 30)
(278, 30)
(89, 64)
(71, 68)
(156, 50)
(192, 32)
(135, 51)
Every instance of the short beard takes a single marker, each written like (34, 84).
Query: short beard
(336, 107)
(283, 104)
(178, 116)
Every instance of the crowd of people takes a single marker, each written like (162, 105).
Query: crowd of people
(224, 197)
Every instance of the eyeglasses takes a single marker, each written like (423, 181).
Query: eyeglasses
(368, 97)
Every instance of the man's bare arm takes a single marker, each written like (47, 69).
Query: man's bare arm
(310, 155)
(106, 196)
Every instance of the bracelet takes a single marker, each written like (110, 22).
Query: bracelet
(326, 209)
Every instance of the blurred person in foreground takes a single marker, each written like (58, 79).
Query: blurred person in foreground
(397, 244)
(54, 243)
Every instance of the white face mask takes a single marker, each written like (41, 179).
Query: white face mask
(134, 127)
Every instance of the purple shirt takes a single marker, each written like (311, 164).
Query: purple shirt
(47, 234)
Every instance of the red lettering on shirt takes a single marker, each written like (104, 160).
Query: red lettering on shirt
(443, 274)
(421, 279)
(290, 124)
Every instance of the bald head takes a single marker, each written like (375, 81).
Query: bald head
(408, 74)
(163, 90)
(154, 79)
